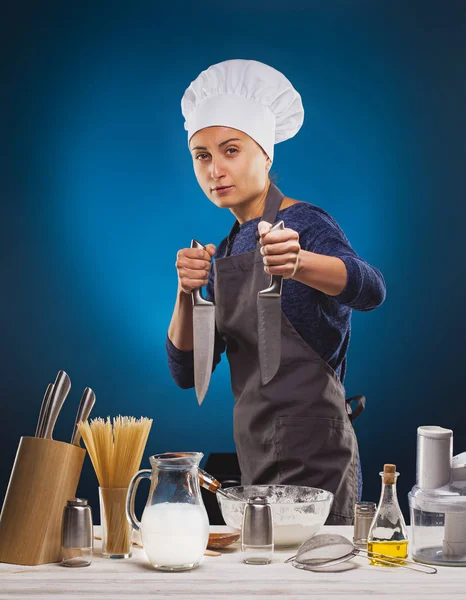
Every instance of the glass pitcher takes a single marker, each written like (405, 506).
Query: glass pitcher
(174, 525)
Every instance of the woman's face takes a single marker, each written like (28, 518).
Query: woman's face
(231, 168)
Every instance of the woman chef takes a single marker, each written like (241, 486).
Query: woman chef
(295, 429)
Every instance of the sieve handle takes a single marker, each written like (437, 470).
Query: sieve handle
(367, 554)
(418, 567)
(133, 486)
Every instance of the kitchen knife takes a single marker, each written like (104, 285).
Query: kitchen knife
(203, 338)
(61, 388)
(43, 410)
(269, 317)
(84, 410)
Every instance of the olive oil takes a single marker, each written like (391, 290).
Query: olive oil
(388, 535)
(395, 549)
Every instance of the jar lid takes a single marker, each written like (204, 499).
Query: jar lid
(449, 498)
(77, 502)
(258, 500)
(435, 432)
(365, 507)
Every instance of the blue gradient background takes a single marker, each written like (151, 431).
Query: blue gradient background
(98, 194)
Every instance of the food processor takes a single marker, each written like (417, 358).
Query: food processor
(437, 503)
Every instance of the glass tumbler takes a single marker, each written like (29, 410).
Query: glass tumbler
(116, 530)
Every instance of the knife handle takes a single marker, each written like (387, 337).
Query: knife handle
(276, 281)
(198, 300)
(61, 388)
(84, 410)
(275, 287)
(277, 226)
(43, 411)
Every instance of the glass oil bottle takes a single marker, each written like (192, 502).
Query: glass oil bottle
(388, 535)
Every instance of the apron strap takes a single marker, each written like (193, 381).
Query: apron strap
(361, 404)
(231, 238)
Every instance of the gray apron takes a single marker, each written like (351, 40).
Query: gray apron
(296, 429)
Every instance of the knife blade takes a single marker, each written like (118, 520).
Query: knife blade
(84, 410)
(61, 388)
(203, 338)
(269, 309)
(43, 410)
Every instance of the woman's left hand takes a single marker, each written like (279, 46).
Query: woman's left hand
(280, 250)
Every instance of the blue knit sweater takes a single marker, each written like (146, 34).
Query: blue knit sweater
(324, 322)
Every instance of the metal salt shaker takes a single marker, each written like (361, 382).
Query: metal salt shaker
(77, 534)
(257, 532)
(364, 513)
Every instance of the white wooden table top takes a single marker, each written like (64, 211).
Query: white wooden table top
(227, 576)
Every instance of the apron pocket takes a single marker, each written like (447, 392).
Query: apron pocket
(319, 452)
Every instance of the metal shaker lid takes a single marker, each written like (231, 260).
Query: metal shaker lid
(77, 502)
(77, 524)
(257, 527)
(365, 508)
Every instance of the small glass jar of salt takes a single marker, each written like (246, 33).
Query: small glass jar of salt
(364, 513)
(257, 532)
(77, 534)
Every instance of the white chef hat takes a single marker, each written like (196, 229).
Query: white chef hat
(246, 95)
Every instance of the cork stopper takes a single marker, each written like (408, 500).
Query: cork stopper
(389, 474)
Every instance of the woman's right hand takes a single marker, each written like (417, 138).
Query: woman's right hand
(193, 266)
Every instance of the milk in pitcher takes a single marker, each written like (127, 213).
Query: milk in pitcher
(174, 534)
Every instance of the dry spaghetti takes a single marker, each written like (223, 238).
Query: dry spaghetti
(115, 450)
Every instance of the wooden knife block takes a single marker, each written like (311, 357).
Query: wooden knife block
(45, 475)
